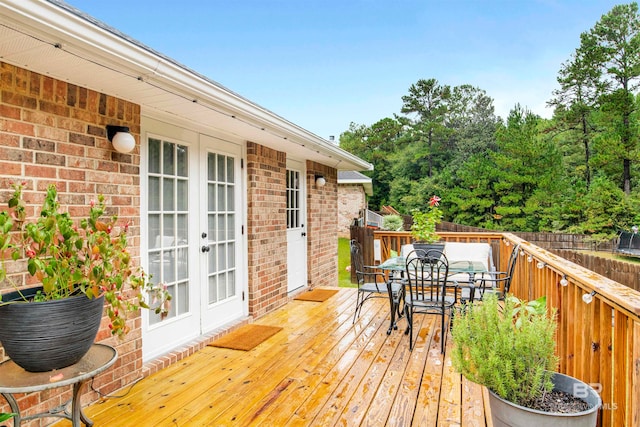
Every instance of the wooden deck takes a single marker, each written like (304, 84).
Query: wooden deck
(321, 370)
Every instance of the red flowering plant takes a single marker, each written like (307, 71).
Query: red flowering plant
(89, 256)
(424, 223)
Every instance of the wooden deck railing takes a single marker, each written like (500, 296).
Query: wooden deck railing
(598, 342)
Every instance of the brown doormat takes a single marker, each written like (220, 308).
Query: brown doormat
(246, 337)
(318, 295)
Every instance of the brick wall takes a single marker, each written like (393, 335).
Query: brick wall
(266, 228)
(53, 132)
(322, 240)
(351, 200)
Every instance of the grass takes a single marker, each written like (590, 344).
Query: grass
(344, 260)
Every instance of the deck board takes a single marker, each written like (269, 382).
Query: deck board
(320, 370)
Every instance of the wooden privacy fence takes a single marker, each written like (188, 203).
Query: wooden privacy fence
(597, 342)
(627, 273)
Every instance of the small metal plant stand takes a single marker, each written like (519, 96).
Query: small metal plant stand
(14, 379)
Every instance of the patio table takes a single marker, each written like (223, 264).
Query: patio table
(397, 265)
(14, 379)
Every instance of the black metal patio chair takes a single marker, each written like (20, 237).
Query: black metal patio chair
(428, 290)
(500, 281)
(372, 283)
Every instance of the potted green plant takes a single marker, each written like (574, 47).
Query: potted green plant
(510, 349)
(81, 265)
(423, 228)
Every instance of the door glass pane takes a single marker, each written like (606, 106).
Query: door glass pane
(183, 229)
(182, 166)
(154, 193)
(221, 197)
(221, 222)
(168, 220)
(154, 155)
(211, 194)
(222, 229)
(293, 199)
(183, 263)
(168, 203)
(231, 226)
(230, 170)
(168, 158)
(183, 195)
(154, 231)
(230, 202)
(221, 168)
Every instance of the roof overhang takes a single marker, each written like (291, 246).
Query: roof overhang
(57, 40)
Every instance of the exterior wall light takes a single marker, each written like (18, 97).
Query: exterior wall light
(121, 139)
(320, 181)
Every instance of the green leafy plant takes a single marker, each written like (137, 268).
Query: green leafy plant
(89, 256)
(424, 223)
(6, 416)
(508, 349)
(392, 222)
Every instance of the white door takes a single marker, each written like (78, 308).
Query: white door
(296, 230)
(222, 276)
(192, 199)
(169, 241)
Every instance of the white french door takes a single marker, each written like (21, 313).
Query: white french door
(222, 276)
(192, 234)
(296, 229)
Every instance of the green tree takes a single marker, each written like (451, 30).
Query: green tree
(427, 99)
(375, 144)
(607, 210)
(527, 167)
(612, 47)
(576, 101)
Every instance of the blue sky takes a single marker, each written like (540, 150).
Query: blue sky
(323, 64)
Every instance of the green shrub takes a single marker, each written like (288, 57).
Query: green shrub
(510, 349)
(392, 222)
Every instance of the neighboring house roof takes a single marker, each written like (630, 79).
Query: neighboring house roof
(353, 177)
(55, 39)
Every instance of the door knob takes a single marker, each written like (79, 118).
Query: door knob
(205, 249)
(303, 234)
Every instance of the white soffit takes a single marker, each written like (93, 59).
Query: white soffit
(55, 39)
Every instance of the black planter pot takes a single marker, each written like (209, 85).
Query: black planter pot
(42, 336)
(425, 247)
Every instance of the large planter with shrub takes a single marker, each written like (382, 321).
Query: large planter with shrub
(509, 347)
(47, 335)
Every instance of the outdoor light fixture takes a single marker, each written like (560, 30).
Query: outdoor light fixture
(529, 258)
(541, 265)
(564, 281)
(121, 139)
(587, 298)
(320, 181)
